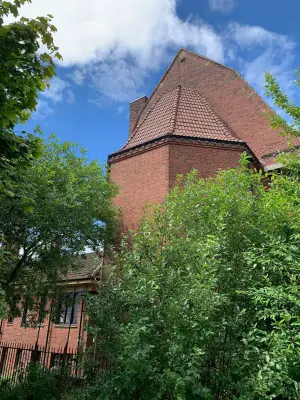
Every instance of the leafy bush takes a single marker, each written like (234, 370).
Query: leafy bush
(205, 304)
(38, 383)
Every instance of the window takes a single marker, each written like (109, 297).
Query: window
(38, 316)
(68, 309)
(58, 360)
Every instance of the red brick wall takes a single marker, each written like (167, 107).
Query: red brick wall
(141, 178)
(230, 97)
(58, 334)
(206, 159)
(147, 177)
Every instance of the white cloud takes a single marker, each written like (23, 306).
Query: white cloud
(113, 45)
(221, 5)
(137, 35)
(91, 30)
(43, 110)
(57, 92)
(247, 36)
(77, 77)
(70, 97)
(115, 81)
(56, 89)
(277, 62)
(273, 52)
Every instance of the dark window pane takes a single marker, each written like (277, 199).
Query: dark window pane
(69, 309)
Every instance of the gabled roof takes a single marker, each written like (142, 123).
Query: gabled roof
(180, 112)
(86, 267)
(233, 103)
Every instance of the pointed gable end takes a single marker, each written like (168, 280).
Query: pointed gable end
(200, 98)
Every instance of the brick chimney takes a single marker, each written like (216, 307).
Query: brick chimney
(135, 110)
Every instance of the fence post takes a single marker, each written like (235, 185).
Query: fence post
(62, 372)
(15, 358)
(35, 353)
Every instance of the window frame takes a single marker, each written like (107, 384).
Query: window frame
(68, 311)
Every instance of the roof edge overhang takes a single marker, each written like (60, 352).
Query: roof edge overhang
(171, 138)
(273, 167)
(77, 282)
(281, 151)
(275, 164)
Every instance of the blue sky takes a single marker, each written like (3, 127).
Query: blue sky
(116, 50)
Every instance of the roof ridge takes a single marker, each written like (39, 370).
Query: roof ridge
(164, 75)
(208, 59)
(147, 115)
(175, 109)
(173, 62)
(176, 98)
(212, 112)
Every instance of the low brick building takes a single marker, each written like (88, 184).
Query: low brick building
(64, 324)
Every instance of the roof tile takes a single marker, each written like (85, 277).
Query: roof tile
(181, 112)
(86, 266)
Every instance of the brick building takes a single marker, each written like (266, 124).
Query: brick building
(201, 115)
(63, 328)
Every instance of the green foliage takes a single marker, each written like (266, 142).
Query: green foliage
(38, 383)
(25, 72)
(205, 304)
(16, 155)
(282, 101)
(289, 127)
(62, 204)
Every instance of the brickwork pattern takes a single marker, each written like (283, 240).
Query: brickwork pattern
(206, 159)
(58, 334)
(142, 178)
(230, 97)
(147, 177)
(180, 112)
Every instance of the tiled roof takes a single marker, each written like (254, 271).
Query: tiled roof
(87, 267)
(231, 101)
(181, 112)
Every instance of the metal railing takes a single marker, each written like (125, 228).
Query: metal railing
(15, 358)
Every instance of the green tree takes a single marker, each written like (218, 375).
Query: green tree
(288, 126)
(25, 72)
(205, 304)
(62, 205)
(281, 100)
